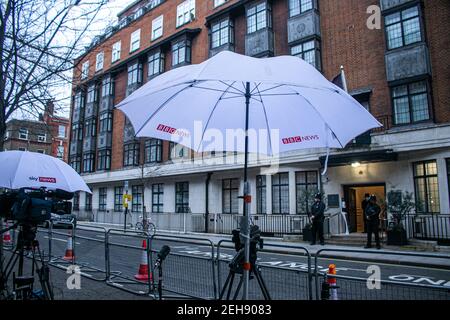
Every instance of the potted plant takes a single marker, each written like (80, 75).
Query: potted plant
(399, 205)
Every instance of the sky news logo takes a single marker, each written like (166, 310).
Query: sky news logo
(300, 139)
(43, 179)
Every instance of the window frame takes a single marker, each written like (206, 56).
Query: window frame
(232, 191)
(230, 33)
(104, 158)
(118, 199)
(279, 185)
(135, 37)
(90, 128)
(307, 186)
(185, 9)
(401, 22)
(107, 87)
(76, 202)
(135, 69)
(158, 191)
(64, 130)
(88, 162)
(261, 189)
(105, 117)
(151, 60)
(88, 203)
(85, 70)
(116, 51)
(99, 63)
(153, 145)
(183, 205)
(410, 106)
(134, 148)
(25, 133)
(268, 16)
(316, 49)
(102, 199)
(40, 135)
(75, 163)
(425, 177)
(178, 46)
(137, 197)
(160, 26)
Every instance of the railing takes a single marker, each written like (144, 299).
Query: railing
(434, 227)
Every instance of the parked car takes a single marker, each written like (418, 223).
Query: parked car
(63, 221)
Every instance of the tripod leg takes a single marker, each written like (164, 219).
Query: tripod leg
(261, 283)
(225, 286)
(230, 286)
(238, 289)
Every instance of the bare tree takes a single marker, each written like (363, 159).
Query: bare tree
(39, 42)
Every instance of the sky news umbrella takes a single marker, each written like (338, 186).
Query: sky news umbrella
(23, 169)
(236, 92)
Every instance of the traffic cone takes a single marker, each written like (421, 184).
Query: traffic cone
(7, 241)
(142, 274)
(332, 282)
(69, 256)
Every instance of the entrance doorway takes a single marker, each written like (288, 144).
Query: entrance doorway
(354, 196)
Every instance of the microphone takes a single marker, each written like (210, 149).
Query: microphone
(165, 250)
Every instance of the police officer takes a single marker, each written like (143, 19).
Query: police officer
(364, 204)
(317, 218)
(372, 213)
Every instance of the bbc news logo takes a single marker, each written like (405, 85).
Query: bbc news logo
(300, 139)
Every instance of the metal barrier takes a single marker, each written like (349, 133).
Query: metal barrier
(189, 274)
(283, 283)
(435, 227)
(355, 288)
(125, 279)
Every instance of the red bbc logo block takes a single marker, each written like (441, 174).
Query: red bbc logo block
(292, 140)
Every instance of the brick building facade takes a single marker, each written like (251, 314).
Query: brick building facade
(399, 71)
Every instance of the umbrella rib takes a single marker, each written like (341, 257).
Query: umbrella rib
(320, 115)
(256, 88)
(162, 106)
(267, 122)
(211, 89)
(210, 115)
(231, 85)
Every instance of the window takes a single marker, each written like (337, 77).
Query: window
(104, 160)
(60, 152)
(85, 70)
(22, 149)
(61, 131)
(88, 202)
(102, 199)
(299, 6)
(182, 197)
(99, 61)
(107, 87)
(258, 17)
(131, 154)
(91, 94)
(75, 163)
(116, 51)
(118, 199)
(308, 51)
(153, 3)
(403, 28)
(219, 2)
(155, 64)
(77, 132)
(88, 162)
(230, 194)
(157, 198)
(136, 201)
(177, 151)
(185, 12)
(135, 41)
(411, 103)
(79, 101)
(448, 174)
(23, 134)
(76, 202)
(41, 151)
(280, 193)
(134, 73)
(106, 122)
(222, 33)
(261, 194)
(7, 135)
(181, 52)
(90, 129)
(153, 150)
(306, 186)
(157, 27)
(42, 137)
(426, 187)
(139, 13)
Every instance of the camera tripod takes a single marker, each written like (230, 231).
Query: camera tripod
(23, 285)
(236, 267)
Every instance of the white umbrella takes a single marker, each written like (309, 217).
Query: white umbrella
(23, 169)
(232, 91)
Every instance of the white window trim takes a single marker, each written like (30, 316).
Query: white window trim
(42, 135)
(100, 58)
(159, 22)
(219, 2)
(59, 131)
(25, 134)
(85, 70)
(135, 37)
(116, 50)
(183, 9)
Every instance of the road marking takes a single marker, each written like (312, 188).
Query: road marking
(62, 240)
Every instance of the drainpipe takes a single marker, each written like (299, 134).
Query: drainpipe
(208, 180)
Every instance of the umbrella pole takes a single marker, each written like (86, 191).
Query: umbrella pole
(245, 224)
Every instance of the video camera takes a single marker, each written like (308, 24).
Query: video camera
(237, 239)
(34, 206)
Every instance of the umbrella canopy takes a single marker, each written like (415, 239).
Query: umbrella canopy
(286, 94)
(23, 169)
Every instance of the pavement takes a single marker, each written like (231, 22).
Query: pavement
(393, 255)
